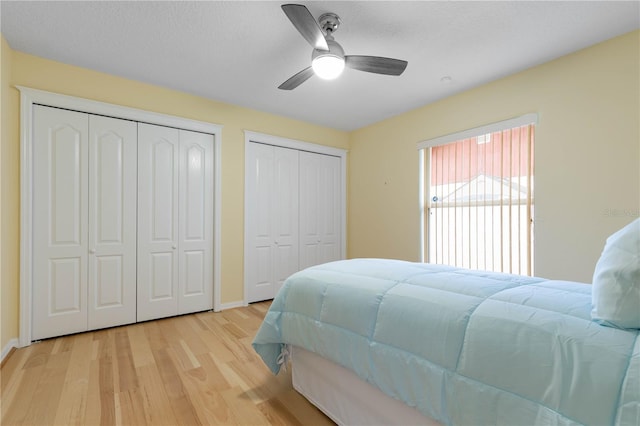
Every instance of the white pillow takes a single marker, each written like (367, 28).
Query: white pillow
(616, 280)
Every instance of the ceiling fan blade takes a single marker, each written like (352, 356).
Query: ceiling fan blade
(376, 64)
(297, 79)
(304, 22)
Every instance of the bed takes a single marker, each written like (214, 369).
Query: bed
(450, 346)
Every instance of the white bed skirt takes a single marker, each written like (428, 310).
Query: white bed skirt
(345, 398)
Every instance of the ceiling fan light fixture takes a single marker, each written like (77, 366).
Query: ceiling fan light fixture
(328, 67)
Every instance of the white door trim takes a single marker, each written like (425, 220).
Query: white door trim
(29, 97)
(250, 136)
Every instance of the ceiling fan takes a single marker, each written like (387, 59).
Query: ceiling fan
(328, 59)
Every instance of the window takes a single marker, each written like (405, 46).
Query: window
(478, 197)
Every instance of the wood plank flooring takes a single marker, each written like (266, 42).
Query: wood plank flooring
(195, 369)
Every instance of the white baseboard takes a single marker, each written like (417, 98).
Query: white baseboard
(231, 305)
(13, 343)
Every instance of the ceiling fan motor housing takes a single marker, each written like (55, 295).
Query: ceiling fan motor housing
(334, 50)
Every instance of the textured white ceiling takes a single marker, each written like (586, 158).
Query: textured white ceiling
(239, 52)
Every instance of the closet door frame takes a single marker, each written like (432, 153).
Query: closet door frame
(30, 97)
(255, 137)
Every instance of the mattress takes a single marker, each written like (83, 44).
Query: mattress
(461, 346)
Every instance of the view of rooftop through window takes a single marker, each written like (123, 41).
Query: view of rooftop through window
(480, 202)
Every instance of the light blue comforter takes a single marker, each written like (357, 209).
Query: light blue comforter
(463, 347)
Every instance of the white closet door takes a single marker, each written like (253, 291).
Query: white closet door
(195, 246)
(320, 207)
(272, 224)
(331, 204)
(260, 199)
(112, 222)
(59, 222)
(158, 156)
(286, 232)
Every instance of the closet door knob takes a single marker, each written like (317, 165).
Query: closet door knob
(92, 251)
(174, 247)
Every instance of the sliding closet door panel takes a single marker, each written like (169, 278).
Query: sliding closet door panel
(158, 157)
(272, 197)
(330, 224)
(196, 222)
(260, 201)
(286, 215)
(320, 208)
(310, 185)
(59, 222)
(112, 221)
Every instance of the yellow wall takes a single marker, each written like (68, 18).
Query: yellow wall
(39, 73)
(9, 200)
(587, 158)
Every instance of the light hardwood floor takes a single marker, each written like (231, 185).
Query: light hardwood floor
(187, 370)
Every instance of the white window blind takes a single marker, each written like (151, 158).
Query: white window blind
(478, 196)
